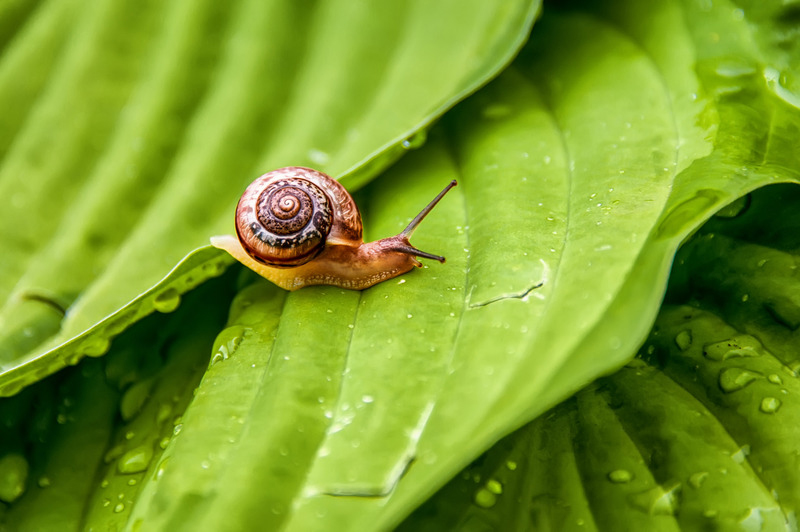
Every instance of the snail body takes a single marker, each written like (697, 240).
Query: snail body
(298, 227)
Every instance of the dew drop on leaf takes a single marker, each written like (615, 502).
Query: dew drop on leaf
(136, 460)
(620, 476)
(13, 476)
(774, 378)
(770, 405)
(96, 346)
(742, 345)
(167, 301)
(494, 486)
(485, 498)
(683, 340)
(734, 379)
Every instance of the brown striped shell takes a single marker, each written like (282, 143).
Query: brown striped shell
(285, 216)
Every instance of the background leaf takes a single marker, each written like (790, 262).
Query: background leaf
(131, 144)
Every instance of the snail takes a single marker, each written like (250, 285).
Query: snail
(298, 227)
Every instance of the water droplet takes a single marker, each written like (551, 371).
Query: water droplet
(44, 482)
(494, 486)
(683, 340)
(13, 476)
(119, 508)
(162, 467)
(697, 479)
(367, 398)
(511, 466)
(734, 379)
(773, 78)
(742, 345)
(164, 413)
(95, 346)
(134, 399)
(167, 301)
(774, 378)
(770, 405)
(416, 140)
(136, 460)
(485, 498)
(620, 476)
(735, 69)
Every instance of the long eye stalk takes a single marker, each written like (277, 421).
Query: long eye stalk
(402, 244)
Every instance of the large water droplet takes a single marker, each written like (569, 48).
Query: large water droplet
(770, 405)
(134, 399)
(485, 498)
(95, 346)
(162, 467)
(13, 476)
(136, 460)
(167, 301)
(620, 476)
(683, 340)
(742, 345)
(227, 342)
(494, 486)
(734, 379)
(773, 79)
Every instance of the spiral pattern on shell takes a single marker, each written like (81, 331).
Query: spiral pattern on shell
(283, 218)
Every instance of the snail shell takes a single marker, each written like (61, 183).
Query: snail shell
(285, 217)
(297, 227)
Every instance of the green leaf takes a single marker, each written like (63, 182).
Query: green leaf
(699, 433)
(140, 125)
(620, 129)
(578, 180)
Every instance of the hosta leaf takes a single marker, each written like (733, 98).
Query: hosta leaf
(697, 434)
(139, 126)
(88, 437)
(618, 131)
(572, 200)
